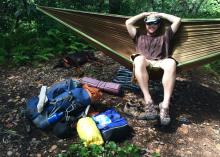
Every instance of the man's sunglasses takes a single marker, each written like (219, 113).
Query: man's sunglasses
(153, 23)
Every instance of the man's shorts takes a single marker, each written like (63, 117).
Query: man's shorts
(153, 63)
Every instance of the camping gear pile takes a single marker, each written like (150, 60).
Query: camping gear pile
(66, 104)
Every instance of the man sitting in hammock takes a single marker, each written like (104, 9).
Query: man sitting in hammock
(153, 50)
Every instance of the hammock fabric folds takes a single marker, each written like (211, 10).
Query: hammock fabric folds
(197, 41)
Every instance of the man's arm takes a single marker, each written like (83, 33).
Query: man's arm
(176, 21)
(131, 21)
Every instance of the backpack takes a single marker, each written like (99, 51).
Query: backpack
(112, 125)
(76, 59)
(67, 101)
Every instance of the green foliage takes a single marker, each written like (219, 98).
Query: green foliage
(155, 154)
(13, 11)
(213, 67)
(27, 36)
(216, 66)
(3, 56)
(20, 54)
(25, 45)
(183, 8)
(108, 150)
(211, 8)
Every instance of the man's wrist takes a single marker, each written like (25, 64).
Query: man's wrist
(144, 14)
(161, 15)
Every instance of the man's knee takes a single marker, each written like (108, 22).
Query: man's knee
(140, 61)
(169, 65)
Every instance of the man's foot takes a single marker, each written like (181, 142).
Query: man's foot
(164, 115)
(150, 111)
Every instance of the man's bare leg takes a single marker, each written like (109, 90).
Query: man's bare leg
(150, 113)
(142, 77)
(168, 80)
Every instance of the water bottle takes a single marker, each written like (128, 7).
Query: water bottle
(42, 121)
(55, 117)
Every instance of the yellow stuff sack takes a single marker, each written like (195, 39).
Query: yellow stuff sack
(88, 131)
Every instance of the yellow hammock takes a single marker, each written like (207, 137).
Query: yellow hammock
(197, 41)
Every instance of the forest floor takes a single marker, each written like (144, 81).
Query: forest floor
(196, 98)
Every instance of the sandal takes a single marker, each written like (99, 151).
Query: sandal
(131, 109)
(150, 111)
(164, 115)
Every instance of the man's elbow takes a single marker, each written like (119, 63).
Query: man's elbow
(127, 22)
(178, 20)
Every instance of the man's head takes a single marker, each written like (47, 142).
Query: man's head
(152, 23)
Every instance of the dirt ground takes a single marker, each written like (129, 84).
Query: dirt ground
(195, 111)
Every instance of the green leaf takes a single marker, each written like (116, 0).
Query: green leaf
(2, 60)
(20, 60)
(155, 154)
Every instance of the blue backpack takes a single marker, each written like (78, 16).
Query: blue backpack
(112, 125)
(67, 101)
